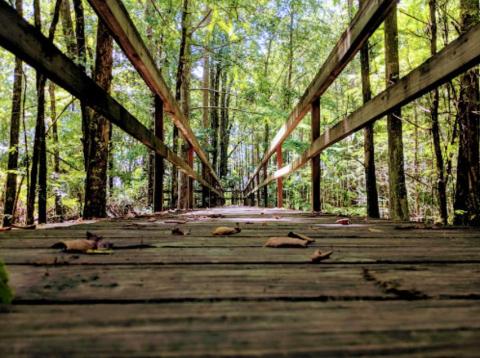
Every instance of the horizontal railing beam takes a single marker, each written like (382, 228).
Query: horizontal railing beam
(116, 18)
(366, 21)
(454, 59)
(30, 45)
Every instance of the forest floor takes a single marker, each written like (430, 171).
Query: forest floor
(388, 289)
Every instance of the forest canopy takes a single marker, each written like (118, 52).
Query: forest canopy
(237, 68)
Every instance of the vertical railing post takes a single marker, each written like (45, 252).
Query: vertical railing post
(258, 191)
(316, 159)
(265, 188)
(279, 180)
(190, 180)
(159, 164)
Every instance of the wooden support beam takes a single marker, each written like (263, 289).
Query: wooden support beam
(455, 58)
(121, 27)
(29, 44)
(265, 188)
(159, 165)
(279, 180)
(365, 22)
(316, 158)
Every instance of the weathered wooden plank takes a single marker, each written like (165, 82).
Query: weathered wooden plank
(362, 26)
(29, 44)
(181, 253)
(242, 282)
(455, 58)
(243, 329)
(115, 16)
(188, 282)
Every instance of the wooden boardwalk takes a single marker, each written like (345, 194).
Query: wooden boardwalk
(388, 289)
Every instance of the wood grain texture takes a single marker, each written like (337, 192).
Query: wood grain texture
(388, 289)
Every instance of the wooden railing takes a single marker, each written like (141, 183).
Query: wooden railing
(455, 58)
(30, 45)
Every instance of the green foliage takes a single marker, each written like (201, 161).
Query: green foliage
(6, 295)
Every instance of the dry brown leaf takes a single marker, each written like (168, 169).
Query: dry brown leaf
(8, 228)
(279, 242)
(78, 245)
(225, 230)
(320, 256)
(344, 221)
(300, 236)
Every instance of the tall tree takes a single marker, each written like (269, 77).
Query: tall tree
(396, 170)
(368, 142)
(183, 95)
(82, 61)
(39, 157)
(11, 185)
(99, 132)
(467, 193)
(441, 184)
(56, 149)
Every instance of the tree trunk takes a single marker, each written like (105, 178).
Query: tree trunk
(215, 74)
(205, 122)
(96, 180)
(67, 29)
(368, 133)
(467, 194)
(82, 61)
(396, 170)
(182, 95)
(224, 124)
(441, 184)
(39, 157)
(56, 151)
(11, 186)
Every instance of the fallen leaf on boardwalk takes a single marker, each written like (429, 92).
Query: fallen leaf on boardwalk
(277, 217)
(79, 245)
(320, 256)
(345, 221)
(24, 227)
(175, 222)
(8, 228)
(225, 230)
(178, 231)
(300, 236)
(279, 242)
(216, 216)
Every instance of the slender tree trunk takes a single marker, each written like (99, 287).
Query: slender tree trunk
(441, 185)
(182, 95)
(96, 180)
(56, 151)
(11, 186)
(225, 124)
(82, 61)
(368, 133)
(205, 121)
(67, 28)
(39, 157)
(467, 194)
(214, 101)
(396, 170)
(288, 86)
